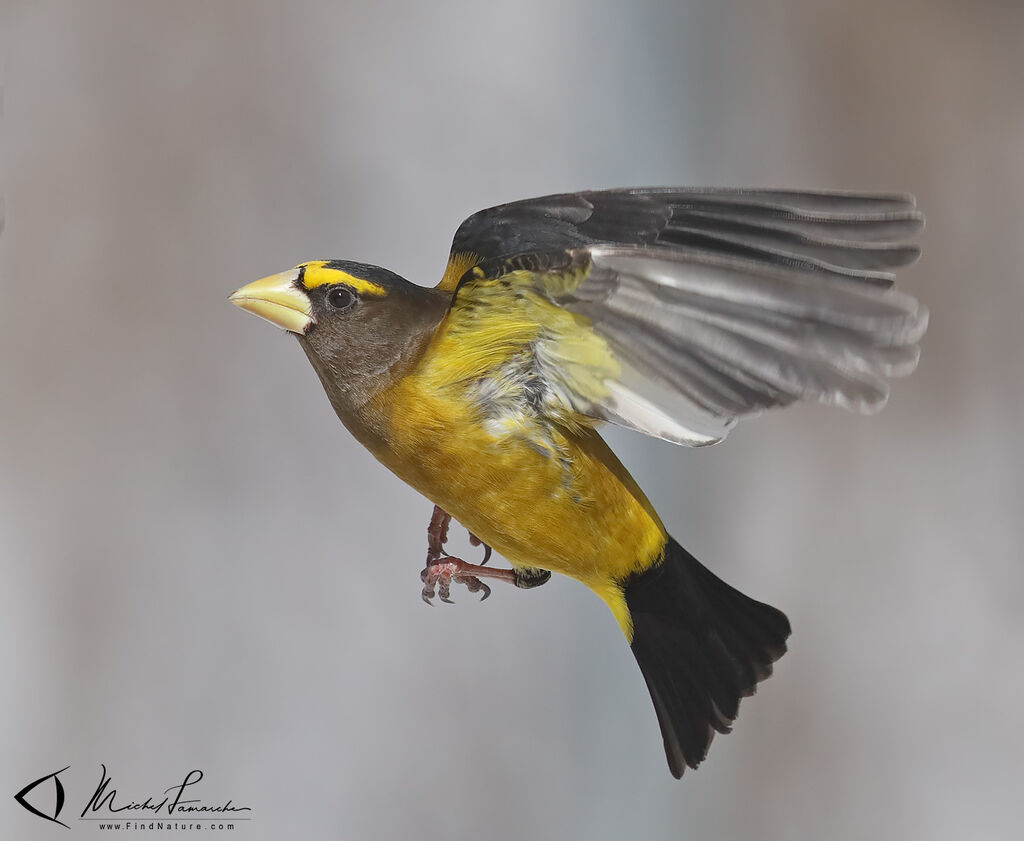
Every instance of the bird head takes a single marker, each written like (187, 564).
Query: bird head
(360, 325)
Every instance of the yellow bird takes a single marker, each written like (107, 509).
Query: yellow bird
(673, 312)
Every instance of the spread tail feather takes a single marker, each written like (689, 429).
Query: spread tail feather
(701, 645)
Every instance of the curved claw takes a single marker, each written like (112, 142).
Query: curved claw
(427, 594)
(476, 541)
(475, 585)
(438, 577)
(444, 589)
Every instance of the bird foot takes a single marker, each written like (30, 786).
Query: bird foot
(438, 577)
(443, 570)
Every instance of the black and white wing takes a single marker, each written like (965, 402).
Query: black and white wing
(712, 304)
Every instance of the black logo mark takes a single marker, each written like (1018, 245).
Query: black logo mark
(58, 805)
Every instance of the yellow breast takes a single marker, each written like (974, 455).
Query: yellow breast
(540, 495)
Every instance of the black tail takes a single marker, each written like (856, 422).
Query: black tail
(701, 646)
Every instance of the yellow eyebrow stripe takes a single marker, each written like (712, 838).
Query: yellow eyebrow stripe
(316, 274)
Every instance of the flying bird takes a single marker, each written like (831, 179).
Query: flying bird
(673, 312)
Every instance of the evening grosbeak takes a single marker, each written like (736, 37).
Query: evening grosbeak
(673, 312)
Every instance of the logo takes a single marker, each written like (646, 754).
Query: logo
(58, 798)
(179, 806)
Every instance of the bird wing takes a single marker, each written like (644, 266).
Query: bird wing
(676, 312)
(863, 234)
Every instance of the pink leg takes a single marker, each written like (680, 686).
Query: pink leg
(442, 573)
(442, 569)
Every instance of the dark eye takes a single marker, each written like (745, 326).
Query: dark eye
(341, 297)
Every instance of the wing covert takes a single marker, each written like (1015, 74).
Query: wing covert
(866, 234)
(697, 308)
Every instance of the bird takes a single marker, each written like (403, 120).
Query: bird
(673, 312)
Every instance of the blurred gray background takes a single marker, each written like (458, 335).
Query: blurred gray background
(201, 569)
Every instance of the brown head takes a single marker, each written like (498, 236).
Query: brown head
(361, 326)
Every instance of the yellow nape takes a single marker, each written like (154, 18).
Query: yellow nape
(317, 274)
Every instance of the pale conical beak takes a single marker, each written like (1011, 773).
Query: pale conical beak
(278, 300)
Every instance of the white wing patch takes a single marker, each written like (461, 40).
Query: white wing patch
(703, 340)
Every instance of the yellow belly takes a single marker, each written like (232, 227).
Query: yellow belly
(539, 495)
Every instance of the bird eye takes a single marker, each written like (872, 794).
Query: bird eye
(341, 297)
